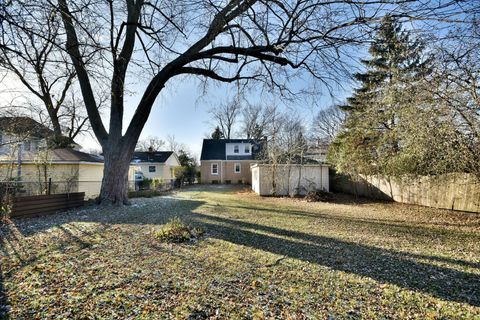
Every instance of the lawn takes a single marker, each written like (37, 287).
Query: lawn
(260, 258)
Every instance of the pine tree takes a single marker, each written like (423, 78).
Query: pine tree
(395, 58)
(217, 134)
(371, 140)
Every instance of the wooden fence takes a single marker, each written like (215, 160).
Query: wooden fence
(455, 191)
(45, 204)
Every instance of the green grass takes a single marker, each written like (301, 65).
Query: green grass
(260, 258)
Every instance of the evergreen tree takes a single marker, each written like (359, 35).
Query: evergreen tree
(186, 172)
(371, 141)
(395, 58)
(217, 134)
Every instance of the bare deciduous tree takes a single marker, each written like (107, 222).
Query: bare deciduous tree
(255, 120)
(28, 52)
(327, 123)
(174, 145)
(226, 115)
(150, 143)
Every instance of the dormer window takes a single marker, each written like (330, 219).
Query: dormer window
(236, 149)
(247, 148)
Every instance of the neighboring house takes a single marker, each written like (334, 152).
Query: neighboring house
(24, 157)
(228, 160)
(154, 165)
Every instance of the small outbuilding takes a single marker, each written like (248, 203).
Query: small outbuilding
(289, 179)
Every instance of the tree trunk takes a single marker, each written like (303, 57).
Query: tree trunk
(115, 175)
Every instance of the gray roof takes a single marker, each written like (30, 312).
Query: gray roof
(68, 154)
(214, 149)
(153, 157)
(62, 155)
(24, 126)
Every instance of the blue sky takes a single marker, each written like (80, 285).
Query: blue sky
(182, 108)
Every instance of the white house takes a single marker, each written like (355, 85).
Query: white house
(154, 165)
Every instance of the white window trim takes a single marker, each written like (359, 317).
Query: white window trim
(211, 169)
(236, 147)
(235, 167)
(246, 149)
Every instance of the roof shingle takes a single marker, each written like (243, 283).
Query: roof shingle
(156, 156)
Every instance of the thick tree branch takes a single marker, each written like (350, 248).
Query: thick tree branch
(83, 78)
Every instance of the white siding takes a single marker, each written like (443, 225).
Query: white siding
(229, 149)
(289, 179)
(163, 171)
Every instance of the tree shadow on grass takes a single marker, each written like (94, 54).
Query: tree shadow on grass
(379, 264)
(386, 266)
(3, 297)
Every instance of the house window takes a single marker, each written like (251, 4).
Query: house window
(152, 169)
(247, 148)
(238, 167)
(214, 168)
(236, 149)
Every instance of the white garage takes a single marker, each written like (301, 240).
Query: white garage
(289, 179)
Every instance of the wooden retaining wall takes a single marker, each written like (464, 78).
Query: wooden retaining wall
(45, 204)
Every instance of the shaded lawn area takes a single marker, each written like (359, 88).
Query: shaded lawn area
(261, 258)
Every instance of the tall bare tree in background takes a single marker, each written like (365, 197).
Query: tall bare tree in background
(29, 53)
(255, 120)
(150, 143)
(326, 124)
(267, 42)
(174, 145)
(225, 116)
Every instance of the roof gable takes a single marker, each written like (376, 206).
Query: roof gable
(215, 149)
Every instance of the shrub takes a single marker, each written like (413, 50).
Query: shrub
(145, 184)
(319, 195)
(177, 231)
